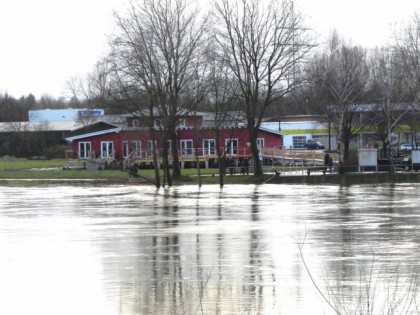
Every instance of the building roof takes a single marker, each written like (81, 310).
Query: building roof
(95, 129)
(296, 118)
(25, 126)
(63, 114)
(275, 132)
(102, 128)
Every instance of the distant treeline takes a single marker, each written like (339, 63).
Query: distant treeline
(13, 109)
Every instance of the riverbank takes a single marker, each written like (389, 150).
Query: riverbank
(29, 172)
(349, 178)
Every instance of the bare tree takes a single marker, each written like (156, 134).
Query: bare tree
(153, 54)
(93, 90)
(222, 102)
(388, 95)
(264, 42)
(407, 47)
(342, 71)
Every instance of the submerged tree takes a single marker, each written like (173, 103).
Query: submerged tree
(264, 43)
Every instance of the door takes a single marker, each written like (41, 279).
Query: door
(84, 150)
(186, 147)
(209, 146)
(107, 149)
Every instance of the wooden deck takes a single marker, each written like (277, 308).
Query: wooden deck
(90, 163)
(272, 156)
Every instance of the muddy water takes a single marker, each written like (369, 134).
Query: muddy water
(125, 250)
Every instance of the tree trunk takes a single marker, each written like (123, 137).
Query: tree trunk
(197, 162)
(176, 169)
(166, 170)
(222, 169)
(346, 155)
(255, 152)
(155, 158)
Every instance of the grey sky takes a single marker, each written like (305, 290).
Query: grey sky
(45, 42)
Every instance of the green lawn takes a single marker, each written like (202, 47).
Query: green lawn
(24, 164)
(19, 169)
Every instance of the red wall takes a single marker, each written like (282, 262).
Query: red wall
(242, 134)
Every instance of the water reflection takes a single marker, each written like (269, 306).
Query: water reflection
(125, 250)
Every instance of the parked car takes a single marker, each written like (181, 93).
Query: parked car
(407, 147)
(314, 145)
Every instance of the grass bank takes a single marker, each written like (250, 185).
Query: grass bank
(26, 172)
(35, 172)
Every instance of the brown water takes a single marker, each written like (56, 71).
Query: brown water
(137, 250)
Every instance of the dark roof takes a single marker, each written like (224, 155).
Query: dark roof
(93, 128)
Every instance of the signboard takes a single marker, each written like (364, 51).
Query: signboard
(90, 113)
(415, 156)
(368, 157)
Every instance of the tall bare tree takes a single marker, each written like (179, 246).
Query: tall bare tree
(342, 71)
(264, 42)
(387, 94)
(407, 46)
(154, 53)
(222, 102)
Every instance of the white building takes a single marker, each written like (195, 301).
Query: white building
(297, 130)
(69, 114)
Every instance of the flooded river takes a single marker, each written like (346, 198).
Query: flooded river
(125, 250)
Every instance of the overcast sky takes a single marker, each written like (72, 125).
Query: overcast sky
(45, 42)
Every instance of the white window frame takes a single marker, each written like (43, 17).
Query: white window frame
(157, 124)
(231, 146)
(209, 147)
(136, 145)
(136, 123)
(125, 148)
(298, 142)
(181, 122)
(186, 146)
(150, 148)
(260, 146)
(86, 151)
(260, 143)
(107, 149)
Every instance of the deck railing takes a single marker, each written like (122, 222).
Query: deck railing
(274, 155)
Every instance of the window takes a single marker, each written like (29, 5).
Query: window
(181, 122)
(137, 148)
(157, 124)
(260, 143)
(84, 150)
(125, 148)
(299, 142)
(231, 146)
(107, 149)
(260, 146)
(169, 147)
(150, 148)
(186, 147)
(209, 147)
(136, 123)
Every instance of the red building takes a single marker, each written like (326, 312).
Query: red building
(110, 142)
